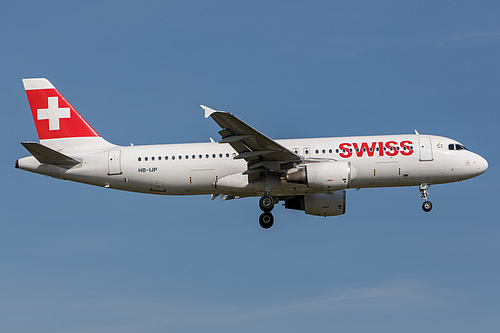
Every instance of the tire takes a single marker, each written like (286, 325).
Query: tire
(427, 206)
(266, 203)
(266, 220)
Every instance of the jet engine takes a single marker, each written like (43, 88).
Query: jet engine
(325, 204)
(328, 176)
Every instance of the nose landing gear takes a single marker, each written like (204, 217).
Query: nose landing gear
(427, 205)
(266, 204)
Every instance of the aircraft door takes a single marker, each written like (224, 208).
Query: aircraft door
(425, 149)
(114, 162)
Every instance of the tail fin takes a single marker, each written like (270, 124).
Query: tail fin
(58, 124)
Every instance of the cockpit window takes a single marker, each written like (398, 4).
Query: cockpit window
(455, 146)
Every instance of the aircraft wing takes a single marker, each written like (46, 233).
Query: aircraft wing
(258, 150)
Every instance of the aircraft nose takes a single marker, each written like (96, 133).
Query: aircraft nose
(481, 165)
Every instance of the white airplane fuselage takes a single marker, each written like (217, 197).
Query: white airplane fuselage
(201, 168)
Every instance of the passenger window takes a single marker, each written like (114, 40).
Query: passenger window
(337, 151)
(330, 151)
(213, 155)
(139, 159)
(220, 155)
(145, 158)
(187, 157)
(207, 156)
(227, 154)
(166, 158)
(193, 157)
(200, 156)
(323, 151)
(180, 157)
(152, 158)
(173, 157)
(317, 151)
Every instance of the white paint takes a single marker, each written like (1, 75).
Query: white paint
(53, 113)
(36, 84)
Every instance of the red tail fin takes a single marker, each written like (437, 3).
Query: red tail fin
(54, 117)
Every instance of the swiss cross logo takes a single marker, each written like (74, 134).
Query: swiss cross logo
(53, 113)
(54, 117)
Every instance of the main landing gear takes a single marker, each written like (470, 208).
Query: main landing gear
(266, 203)
(427, 205)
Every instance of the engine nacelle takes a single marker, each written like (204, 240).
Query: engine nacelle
(328, 176)
(325, 204)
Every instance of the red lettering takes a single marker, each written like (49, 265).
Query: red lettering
(358, 151)
(371, 150)
(380, 149)
(364, 148)
(389, 148)
(389, 145)
(344, 150)
(405, 145)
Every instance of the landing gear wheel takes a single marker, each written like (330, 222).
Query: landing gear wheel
(427, 206)
(266, 203)
(266, 220)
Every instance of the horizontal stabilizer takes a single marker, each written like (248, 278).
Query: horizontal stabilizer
(47, 155)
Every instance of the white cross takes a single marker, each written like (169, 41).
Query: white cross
(53, 113)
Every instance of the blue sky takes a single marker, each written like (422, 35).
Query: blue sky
(76, 258)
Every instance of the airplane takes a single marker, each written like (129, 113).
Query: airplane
(310, 175)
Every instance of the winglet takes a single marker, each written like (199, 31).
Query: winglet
(208, 111)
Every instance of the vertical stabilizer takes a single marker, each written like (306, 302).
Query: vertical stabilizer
(58, 124)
